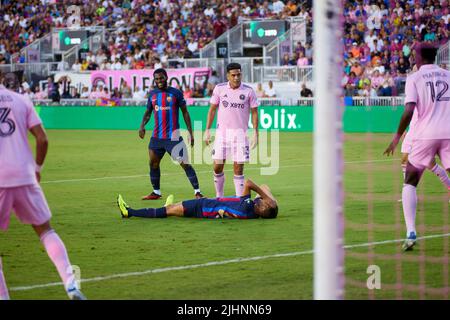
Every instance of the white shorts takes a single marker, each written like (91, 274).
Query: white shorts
(238, 149)
(407, 143)
(424, 151)
(28, 203)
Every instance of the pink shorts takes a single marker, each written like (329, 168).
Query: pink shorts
(237, 148)
(407, 143)
(28, 203)
(424, 151)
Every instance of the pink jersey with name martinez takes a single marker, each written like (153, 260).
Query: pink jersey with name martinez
(429, 89)
(234, 107)
(17, 115)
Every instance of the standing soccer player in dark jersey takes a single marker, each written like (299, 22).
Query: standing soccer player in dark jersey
(263, 206)
(166, 102)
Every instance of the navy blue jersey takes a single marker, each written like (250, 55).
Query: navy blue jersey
(238, 208)
(165, 105)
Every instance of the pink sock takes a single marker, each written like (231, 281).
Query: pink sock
(3, 288)
(442, 175)
(239, 185)
(409, 199)
(219, 181)
(57, 252)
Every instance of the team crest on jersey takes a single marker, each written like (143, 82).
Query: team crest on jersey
(156, 107)
(225, 104)
(242, 97)
(169, 99)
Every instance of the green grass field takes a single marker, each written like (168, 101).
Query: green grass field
(85, 170)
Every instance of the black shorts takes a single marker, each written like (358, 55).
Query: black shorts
(193, 208)
(176, 149)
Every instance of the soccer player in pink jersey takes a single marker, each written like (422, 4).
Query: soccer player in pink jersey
(234, 102)
(19, 183)
(426, 91)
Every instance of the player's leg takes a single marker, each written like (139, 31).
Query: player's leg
(155, 154)
(178, 152)
(241, 154)
(219, 155)
(444, 154)
(31, 208)
(3, 288)
(219, 177)
(238, 178)
(404, 162)
(421, 156)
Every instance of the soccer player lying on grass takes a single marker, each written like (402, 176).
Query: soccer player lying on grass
(264, 205)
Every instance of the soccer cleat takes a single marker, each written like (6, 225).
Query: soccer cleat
(151, 196)
(169, 200)
(409, 242)
(199, 195)
(123, 207)
(75, 294)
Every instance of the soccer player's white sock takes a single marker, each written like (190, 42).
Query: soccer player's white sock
(3, 288)
(219, 181)
(409, 199)
(157, 191)
(239, 185)
(57, 252)
(196, 191)
(442, 175)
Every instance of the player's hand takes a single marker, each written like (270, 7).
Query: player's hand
(390, 149)
(207, 137)
(254, 142)
(190, 139)
(142, 133)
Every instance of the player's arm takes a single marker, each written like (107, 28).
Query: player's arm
(209, 120)
(255, 123)
(145, 118)
(404, 123)
(263, 191)
(41, 147)
(187, 120)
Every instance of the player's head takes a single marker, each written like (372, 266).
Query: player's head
(234, 74)
(266, 208)
(160, 77)
(426, 54)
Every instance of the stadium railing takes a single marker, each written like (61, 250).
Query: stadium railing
(301, 102)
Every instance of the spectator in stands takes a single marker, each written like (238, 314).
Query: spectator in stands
(302, 60)
(75, 94)
(64, 83)
(138, 93)
(53, 90)
(84, 93)
(260, 91)
(198, 91)
(39, 94)
(84, 65)
(357, 69)
(270, 90)
(306, 92)
(76, 67)
(285, 61)
(126, 91)
(187, 93)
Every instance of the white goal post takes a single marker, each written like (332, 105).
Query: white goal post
(328, 157)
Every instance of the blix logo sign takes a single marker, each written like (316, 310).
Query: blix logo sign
(279, 120)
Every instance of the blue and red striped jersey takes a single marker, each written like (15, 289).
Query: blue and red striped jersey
(237, 208)
(165, 105)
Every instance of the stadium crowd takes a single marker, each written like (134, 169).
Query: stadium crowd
(380, 35)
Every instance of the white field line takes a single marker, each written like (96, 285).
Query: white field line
(209, 171)
(215, 263)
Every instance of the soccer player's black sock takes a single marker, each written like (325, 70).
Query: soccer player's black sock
(155, 175)
(148, 212)
(192, 176)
